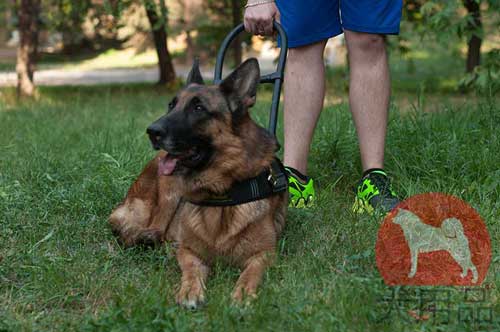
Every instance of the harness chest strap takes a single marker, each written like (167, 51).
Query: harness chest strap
(271, 181)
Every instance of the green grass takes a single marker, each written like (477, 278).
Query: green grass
(68, 159)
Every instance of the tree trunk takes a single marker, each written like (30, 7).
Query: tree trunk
(236, 11)
(27, 49)
(159, 30)
(5, 21)
(187, 9)
(190, 54)
(474, 44)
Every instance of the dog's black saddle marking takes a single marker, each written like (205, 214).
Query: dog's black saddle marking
(271, 181)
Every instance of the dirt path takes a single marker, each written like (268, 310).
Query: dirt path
(105, 76)
(92, 77)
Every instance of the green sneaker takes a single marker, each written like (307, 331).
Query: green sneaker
(374, 192)
(301, 189)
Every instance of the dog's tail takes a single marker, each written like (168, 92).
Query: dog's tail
(452, 227)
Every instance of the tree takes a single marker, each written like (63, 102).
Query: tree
(190, 12)
(28, 14)
(469, 21)
(237, 19)
(158, 20)
(66, 17)
(474, 28)
(461, 18)
(156, 12)
(220, 18)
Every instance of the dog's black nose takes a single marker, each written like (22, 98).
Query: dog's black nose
(155, 130)
(156, 134)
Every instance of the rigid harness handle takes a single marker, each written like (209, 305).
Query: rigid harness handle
(275, 78)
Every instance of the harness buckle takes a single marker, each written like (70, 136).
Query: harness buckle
(272, 178)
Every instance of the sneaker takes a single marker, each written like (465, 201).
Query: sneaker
(301, 189)
(374, 192)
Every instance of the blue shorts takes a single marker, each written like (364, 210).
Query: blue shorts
(309, 21)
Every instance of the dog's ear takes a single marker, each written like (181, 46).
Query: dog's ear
(240, 87)
(194, 75)
(396, 212)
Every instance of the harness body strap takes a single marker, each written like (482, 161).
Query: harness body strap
(269, 182)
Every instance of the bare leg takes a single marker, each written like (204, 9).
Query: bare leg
(250, 278)
(194, 276)
(369, 94)
(303, 101)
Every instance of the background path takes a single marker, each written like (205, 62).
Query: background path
(92, 77)
(104, 76)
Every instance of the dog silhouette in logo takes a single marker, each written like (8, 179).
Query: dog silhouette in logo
(425, 238)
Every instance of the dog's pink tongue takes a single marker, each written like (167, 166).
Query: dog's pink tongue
(166, 165)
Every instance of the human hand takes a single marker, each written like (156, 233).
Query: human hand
(258, 18)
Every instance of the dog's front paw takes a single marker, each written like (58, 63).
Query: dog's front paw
(149, 237)
(244, 294)
(128, 220)
(126, 236)
(191, 295)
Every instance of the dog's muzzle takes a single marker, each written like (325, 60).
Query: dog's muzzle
(156, 134)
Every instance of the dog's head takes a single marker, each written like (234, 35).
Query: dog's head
(199, 115)
(405, 217)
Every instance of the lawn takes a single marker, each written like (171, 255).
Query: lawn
(68, 159)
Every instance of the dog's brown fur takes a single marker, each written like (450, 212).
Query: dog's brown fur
(157, 208)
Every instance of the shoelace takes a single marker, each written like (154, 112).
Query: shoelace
(380, 182)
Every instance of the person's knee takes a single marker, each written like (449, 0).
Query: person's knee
(365, 42)
(307, 53)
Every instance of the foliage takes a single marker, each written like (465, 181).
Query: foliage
(201, 25)
(449, 23)
(448, 18)
(64, 15)
(206, 22)
(445, 20)
(68, 18)
(219, 12)
(485, 79)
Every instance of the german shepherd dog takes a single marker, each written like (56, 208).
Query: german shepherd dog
(208, 142)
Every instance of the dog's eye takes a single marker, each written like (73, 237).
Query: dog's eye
(199, 108)
(172, 104)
